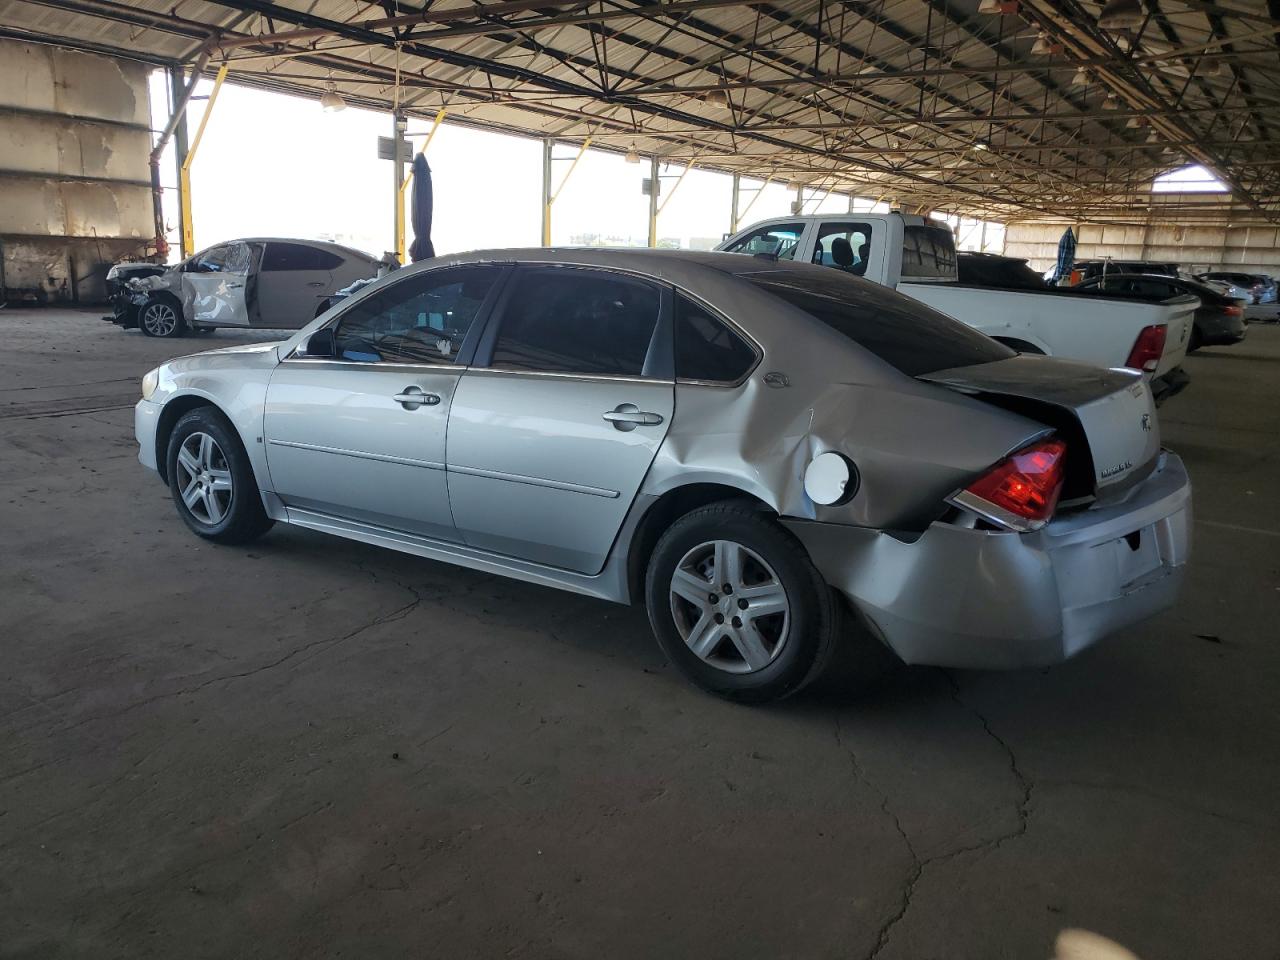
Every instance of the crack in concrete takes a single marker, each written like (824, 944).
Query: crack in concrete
(919, 865)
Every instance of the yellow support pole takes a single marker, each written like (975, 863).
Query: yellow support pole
(551, 197)
(400, 247)
(184, 175)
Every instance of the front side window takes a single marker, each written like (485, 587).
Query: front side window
(578, 321)
(298, 256)
(928, 253)
(423, 319)
(780, 240)
(844, 246)
(213, 260)
(706, 347)
(900, 331)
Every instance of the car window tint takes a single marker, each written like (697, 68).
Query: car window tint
(928, 252)
(844, 246)
(577, 321)
(706, 348)
(422, 319)
(780, 239)
(903, 332)
(298, 256)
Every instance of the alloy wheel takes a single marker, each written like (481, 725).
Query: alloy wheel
(160, 319)
(730, 606)
(204, 478)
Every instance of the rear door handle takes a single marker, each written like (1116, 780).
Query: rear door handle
(627, 416)
(412, 398)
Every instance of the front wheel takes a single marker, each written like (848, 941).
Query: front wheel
(160, 318)
(212, 481)
(737, 605)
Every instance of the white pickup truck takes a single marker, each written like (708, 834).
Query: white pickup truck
(917, 257)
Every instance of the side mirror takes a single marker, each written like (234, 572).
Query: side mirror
(321, 345)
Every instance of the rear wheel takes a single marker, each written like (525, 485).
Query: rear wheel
(161, 318)
(737, 605)
(212, 481)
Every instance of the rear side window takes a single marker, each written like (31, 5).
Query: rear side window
(845, 246)
(298, 256)
(928, 253)
(905, 334)
(578, 321)
(706, 348)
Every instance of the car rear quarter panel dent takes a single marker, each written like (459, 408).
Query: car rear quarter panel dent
(912, 447)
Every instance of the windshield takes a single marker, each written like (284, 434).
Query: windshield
(906, 334)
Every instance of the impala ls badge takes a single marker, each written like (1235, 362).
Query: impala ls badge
(1146, 422)
(1118, 468)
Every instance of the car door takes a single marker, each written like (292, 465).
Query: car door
(293, 280)
(213, 285)
(556, 423)
(361, 436)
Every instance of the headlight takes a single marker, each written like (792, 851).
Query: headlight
(149, 383)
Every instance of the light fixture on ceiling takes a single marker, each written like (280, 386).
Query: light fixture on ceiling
(1121, 15)
(1042, 46)
(631, 156)
(1222, 69)
(1133, 123)
(331, 101)
(717, 98)
(1081, 78)
(1111, 103)
(994, 7)
(1153, 137)
(795, 186)
(979, 145)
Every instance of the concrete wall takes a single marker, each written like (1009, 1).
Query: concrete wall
(1238, 242)
(75, 190)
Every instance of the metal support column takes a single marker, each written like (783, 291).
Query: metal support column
(546, 192)
(399, 124)
(653, 201)
(733, 216)
(178, 89)
(184, 174)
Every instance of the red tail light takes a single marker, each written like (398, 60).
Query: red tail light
(1021, 491)
(1233, 311)
(1148, 348)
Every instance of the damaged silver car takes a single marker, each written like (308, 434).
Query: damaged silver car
(763, 453)
(261, 282)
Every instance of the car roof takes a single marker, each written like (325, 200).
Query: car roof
(323, 244)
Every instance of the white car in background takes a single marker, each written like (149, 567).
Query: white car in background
(259, 282)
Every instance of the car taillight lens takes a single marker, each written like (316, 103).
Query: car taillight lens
(1021, 491)
(1233, 311)
(1148, 348)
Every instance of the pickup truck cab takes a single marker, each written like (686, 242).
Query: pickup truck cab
(917, 257)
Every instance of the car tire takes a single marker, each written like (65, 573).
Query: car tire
(741, 558)
(212, 481)
(161, 317)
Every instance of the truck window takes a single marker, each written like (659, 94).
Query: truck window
(845, 246)
(780, 239)
(928, 253)
(900, 331)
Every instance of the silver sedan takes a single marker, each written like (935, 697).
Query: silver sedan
(766, 454)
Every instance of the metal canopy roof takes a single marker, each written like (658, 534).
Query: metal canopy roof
(926, 103)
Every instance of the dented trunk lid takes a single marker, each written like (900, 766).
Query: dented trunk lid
(1107, 417)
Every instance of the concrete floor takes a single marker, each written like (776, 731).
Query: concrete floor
(314, 748)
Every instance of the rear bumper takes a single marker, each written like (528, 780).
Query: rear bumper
(959, 597)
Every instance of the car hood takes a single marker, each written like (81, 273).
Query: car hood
(1110, 413)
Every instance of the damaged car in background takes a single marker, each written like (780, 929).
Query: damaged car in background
(775, 458)
(264, 282)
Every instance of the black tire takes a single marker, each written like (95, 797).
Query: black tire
(238, 516)
(162, 317)
(799, 656)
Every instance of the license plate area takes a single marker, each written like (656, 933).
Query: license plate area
(1133, 556)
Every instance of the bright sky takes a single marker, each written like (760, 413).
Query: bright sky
(275, 165)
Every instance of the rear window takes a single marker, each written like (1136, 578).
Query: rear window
(905, 334)
(928, 253)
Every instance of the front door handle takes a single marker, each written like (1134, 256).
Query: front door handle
(627, 416)
(412, 398)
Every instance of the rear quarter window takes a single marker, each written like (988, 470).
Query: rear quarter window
(928, 253)
(905, 334)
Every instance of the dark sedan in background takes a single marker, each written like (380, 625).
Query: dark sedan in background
(1219, 320)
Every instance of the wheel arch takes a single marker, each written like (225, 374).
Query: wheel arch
(174, 411)
(1023, 346)
(666, 510)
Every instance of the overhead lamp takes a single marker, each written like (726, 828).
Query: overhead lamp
(1134, 123)
(1153, 137)
(1042, 46)
(1222, 69)
(631, 156)
(717, 98)
(979, 145)
(1081, 78)
(1111, 103)
(994, 7)
(331, 101)
(1121, 15)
